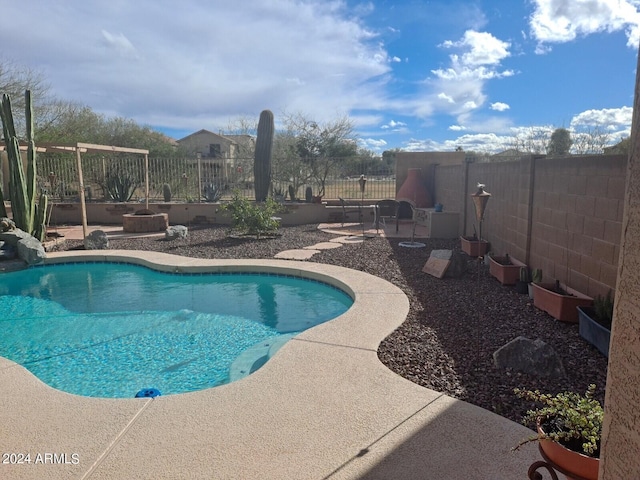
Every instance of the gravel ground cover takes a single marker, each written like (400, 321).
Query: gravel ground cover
(454, 324)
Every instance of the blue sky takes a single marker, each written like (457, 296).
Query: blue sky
(411, 74)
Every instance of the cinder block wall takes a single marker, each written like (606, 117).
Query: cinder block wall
(578, 205)
(562, 215)
(505, 223)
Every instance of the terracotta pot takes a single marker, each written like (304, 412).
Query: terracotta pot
(560, 307)
(474, 248)
(506, 274)
(570, 462)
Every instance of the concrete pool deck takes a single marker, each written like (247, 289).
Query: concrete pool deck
(324, 407)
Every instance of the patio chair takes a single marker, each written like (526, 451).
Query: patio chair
(348, 208)
(385, 209)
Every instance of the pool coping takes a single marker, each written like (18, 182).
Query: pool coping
(323, 407)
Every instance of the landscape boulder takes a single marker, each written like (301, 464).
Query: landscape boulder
(175, 231)
(31, 251)
(12, 237)
(7, 252)
(96, 240)
(529, 356)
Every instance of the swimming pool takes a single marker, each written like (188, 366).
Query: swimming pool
(108, 330)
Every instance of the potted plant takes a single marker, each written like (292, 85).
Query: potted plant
(569, 427)
(559, 301)
(505, 268)
(522, 284)
(536, 277)
(473, 246)
(595, 322)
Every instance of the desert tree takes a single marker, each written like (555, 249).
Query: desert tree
(322, 146)
(590, 141)
(532, 140)
(560, 142)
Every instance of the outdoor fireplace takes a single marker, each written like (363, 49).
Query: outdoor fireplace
(413, 192)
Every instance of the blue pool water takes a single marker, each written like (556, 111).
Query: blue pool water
(110, 330)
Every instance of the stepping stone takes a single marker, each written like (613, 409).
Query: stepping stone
(349, 239)
(324, 246)
(297, 254)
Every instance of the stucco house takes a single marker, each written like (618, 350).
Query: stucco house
(223, 157)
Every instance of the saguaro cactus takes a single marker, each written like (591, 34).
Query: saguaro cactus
(262, 161)
(28, 215)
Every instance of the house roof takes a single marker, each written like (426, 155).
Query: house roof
(207, 133)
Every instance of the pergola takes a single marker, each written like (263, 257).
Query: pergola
(79, 149)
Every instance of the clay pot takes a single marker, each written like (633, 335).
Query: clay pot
(568, 461)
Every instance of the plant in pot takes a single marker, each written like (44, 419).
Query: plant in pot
(595, 322)
(536, 277)
(569, 427)
(505, 268)
(522, 284)
(559, 300)
(473, 246)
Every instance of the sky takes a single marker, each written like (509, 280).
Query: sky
(410, 74)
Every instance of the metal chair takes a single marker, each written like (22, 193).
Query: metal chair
(387, 208)
(346, 205)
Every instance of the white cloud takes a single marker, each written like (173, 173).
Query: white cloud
(460, 86)
(482, 48)
(119, 42)
(445, 97)
(482, 143)
(608, 118)
(203, 62)
(499, 106)
(457, 128)
(394, 126)
(373, 144)
(559, 21)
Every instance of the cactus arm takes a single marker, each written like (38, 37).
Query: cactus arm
(31, 158)
(40, 216)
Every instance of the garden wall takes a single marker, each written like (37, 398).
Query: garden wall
(562, 215)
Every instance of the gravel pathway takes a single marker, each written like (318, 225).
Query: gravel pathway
(454, 324)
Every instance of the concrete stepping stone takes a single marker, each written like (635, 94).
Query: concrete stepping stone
(349, 239)
(297, 254)
(324, 246)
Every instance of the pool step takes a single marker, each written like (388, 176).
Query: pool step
(256, 356)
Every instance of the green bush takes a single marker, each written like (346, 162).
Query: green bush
(252, 218)
(568, 418)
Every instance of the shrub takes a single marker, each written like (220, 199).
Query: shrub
(568, 418)
(252, 218)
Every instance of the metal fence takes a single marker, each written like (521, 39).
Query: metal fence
(122, 178)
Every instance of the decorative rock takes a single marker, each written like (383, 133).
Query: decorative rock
(7, 252)
(529, 356)
(6, 224)
(458, 265)
(175, 231)
(31, 250)
(12, 237)
(96, 240)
